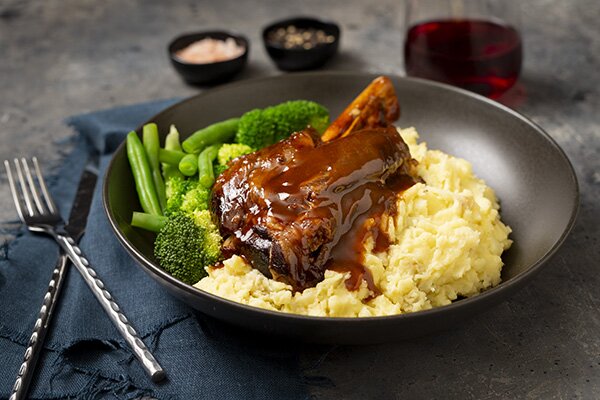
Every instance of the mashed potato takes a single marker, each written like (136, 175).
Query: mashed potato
(447, 239)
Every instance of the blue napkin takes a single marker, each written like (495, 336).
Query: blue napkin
(84, 357)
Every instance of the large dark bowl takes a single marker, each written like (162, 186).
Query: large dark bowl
(530, 173)
(297, 59)
(210, 73)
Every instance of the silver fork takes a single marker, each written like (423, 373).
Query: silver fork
(39, 213)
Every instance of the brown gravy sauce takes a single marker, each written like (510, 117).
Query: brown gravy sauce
(363, 175)
(348, 254)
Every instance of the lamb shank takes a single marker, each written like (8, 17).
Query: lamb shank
(305, 205)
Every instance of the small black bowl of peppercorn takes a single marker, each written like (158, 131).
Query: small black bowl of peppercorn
(301, 43)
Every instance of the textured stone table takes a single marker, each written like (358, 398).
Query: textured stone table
(65, 57)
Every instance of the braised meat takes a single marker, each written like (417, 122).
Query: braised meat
(301, 206)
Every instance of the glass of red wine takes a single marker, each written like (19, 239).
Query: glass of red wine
(473, 44)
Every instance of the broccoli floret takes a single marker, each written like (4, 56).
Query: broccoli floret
(189, 240)
(261, 128)
(185, 195)
(293, 116)
(212, 238)
(195, 199)
(229, 151)
(188, 243)
(218, 169)
(180, 248)
(255, 131)
(176, 188)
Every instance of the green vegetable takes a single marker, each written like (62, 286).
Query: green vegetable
(152, 145)
(197, 198)
(149, 222)
(218, 169)
(142, 175)
(260, 128)
(189, 239)
(171, 144)
(171, 157)
(177, 187)
(172, 139)
(212, 238)
(229, 151)
(185, 245)
(186, 195)
(206, 175)
(188, 164)
(256, 130)
(221, 132)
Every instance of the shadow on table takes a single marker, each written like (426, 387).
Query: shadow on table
(542, 91)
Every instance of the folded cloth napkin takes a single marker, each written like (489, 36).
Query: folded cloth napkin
(84, 356)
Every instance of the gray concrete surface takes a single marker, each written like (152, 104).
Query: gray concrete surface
(63, 57)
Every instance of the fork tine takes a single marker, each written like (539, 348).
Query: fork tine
(13, 190)
(24, 189)
(40, 178)
(34, 193)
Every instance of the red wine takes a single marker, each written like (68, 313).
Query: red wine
(478, 55)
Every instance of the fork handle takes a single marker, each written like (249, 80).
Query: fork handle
(149, 363)
(40, 328)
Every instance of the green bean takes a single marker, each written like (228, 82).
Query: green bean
(142, 175)
(170, 157)
(149, 222)
(221, 132)
(188, 164)
(172, 143)
(206, 175)
(151, 144)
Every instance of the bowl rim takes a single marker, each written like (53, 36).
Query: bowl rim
(203, 34)
(489, 294)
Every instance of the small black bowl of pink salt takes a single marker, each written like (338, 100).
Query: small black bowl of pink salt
(301, 43)
(208, 58)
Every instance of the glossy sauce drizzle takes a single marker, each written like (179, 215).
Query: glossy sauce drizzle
(348, 254)
(347, 186)
(302, 206)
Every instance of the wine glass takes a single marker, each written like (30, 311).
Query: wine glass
(473, 44)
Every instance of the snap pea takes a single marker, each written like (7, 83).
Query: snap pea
(152, 145)
(206, 175)
(142, 175)
(188, 164)
(221, 132)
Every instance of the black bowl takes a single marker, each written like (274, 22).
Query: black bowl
(531, 175)
(296, 59)
(211, 73)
